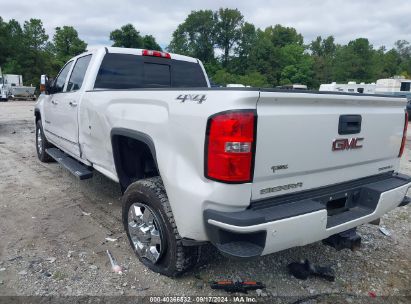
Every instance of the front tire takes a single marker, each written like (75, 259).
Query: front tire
(152, 231)
(42, 144)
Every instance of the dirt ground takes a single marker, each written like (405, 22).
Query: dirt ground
(53, 231)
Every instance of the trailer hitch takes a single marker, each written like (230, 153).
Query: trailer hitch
(347, 239)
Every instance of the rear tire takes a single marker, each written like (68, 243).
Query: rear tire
(152, 231)
(42, 144)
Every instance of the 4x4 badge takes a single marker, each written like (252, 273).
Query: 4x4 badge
(196, 98)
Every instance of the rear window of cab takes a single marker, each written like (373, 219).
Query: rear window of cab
(124, 71)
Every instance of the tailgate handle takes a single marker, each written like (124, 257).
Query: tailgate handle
(349, 124)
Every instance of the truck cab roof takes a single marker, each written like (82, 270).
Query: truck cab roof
(139, 52)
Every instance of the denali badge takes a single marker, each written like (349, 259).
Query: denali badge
(385, 168)
(281, 188)
(279, 167)
(347, 143)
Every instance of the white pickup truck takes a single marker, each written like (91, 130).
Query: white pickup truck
(253, 171)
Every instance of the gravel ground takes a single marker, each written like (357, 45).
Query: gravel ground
(53, 231)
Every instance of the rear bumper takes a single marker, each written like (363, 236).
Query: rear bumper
(295, 220)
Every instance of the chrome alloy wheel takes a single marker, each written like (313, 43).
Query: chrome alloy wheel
(145, 233)
(39, 141)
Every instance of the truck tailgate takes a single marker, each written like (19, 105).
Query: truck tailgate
(296, 133)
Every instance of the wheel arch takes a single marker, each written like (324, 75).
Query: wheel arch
(121, 160)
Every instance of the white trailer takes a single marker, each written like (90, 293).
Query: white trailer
(350, 87)
(396, 85)
(4, 92)
(12, 87)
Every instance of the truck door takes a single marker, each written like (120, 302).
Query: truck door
(67, 127)
(52, 105)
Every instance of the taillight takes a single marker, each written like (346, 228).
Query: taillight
(404, 135)
(156, 54)
(230, 146)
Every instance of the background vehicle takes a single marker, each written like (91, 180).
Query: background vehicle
(11, 86)
(253, 171)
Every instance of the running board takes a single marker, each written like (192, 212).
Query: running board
(78, 169)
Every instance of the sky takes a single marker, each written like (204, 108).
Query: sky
(381, 21)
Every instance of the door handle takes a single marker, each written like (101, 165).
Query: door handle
(54, 102)
(73, 103)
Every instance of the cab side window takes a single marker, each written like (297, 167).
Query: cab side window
(61, 78)
(79, 71)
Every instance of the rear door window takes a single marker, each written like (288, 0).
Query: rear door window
(79, 71)
(123, 71)
(187, 74)
(119, 71)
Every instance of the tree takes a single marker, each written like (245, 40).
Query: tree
(196, 36)
(300, 73)
(323, 47)
(242, 61)
(34, 34)
(274, 49)
(323, 54)
(281, 36)
(298, 65)
(386, 63)
(404, 50)
(246, 54)
(127, 36)
(67, 44)
(4, 39)
(33, 56)
(248, 37)
(228, 26)
(149, 42)
(253, 79)
(223, 77)
(355, 62)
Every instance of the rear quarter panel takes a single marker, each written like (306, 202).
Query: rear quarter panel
(177, 129)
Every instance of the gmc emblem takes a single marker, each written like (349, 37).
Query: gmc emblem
(347, 144)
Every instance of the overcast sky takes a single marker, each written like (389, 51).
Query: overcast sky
(381, 21)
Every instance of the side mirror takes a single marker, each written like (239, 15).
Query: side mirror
(44, 84)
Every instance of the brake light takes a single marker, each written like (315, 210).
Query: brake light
(230, 146)
(156, 54)
(404, 135)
